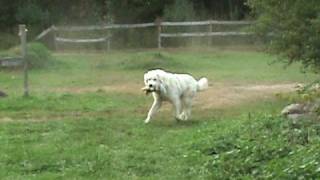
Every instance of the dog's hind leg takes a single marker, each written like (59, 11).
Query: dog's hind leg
(187, 105)
(187, 100)
(178, 107)
(154, 108)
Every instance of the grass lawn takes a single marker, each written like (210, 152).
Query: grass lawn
(84, 120)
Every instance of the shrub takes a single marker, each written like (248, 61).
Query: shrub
(37, 54)
(291, 29)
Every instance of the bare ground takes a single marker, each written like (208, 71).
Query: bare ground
(217, 95)
(231, 95)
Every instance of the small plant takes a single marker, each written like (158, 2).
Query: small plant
(37, 54)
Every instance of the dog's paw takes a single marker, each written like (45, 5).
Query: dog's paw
(147, 121)
(183, 116)
(178, 119)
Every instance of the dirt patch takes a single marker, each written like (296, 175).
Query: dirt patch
(229, 95)
(218, 95)
(121, 88)
(215, 97)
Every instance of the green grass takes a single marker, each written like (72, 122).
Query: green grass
(83, 70)
(101, 135)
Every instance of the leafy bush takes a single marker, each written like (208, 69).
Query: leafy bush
(291, 29)
(180, 10)
(31, 14)
(37, 54)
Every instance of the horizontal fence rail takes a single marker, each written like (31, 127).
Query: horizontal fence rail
(212, 22)
(59, 39)
(106, 27)
(202, 34)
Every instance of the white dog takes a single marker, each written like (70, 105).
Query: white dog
(179, 89)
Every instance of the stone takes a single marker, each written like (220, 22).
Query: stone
(3, 94)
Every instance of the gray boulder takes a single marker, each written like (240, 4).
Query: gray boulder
(3, 94)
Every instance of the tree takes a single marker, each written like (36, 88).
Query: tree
(291, 29)
(180, 10)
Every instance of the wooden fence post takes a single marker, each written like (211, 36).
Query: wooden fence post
(209, 37)
(158, 24)
(108, 44)
(54, 32)
(23, 38)
(108, 40)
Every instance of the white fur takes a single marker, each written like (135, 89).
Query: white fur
(179, 89)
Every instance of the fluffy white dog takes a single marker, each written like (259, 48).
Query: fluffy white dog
(179, 89)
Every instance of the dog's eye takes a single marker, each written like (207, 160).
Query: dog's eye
(154, 79)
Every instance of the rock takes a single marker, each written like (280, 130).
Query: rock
(295, 116)
(3, 94)
(301, 111)
(307, 116)
(294, 109)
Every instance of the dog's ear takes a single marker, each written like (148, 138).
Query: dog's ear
(163, 88)
(145, 77)
(160, 78)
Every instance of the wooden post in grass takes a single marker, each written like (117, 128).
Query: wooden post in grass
(23, 38)
(209, 37)
(158, 24)
(54, 34)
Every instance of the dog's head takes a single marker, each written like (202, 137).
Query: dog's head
(153, 81)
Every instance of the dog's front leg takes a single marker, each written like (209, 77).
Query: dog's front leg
(154, 108)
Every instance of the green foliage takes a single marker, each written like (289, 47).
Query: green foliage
(309, 93)
(180, 10)
(291, 29)
(8, 40)
(37, 54)
(31, 14)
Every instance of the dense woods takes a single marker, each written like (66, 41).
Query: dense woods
(42, 13)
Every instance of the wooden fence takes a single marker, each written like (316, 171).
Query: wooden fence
(159, 28)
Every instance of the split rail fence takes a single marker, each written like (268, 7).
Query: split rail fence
(159, 27)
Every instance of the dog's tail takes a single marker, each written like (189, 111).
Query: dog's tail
(202, 84)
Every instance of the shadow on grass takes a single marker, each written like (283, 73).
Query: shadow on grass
(173, 123)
